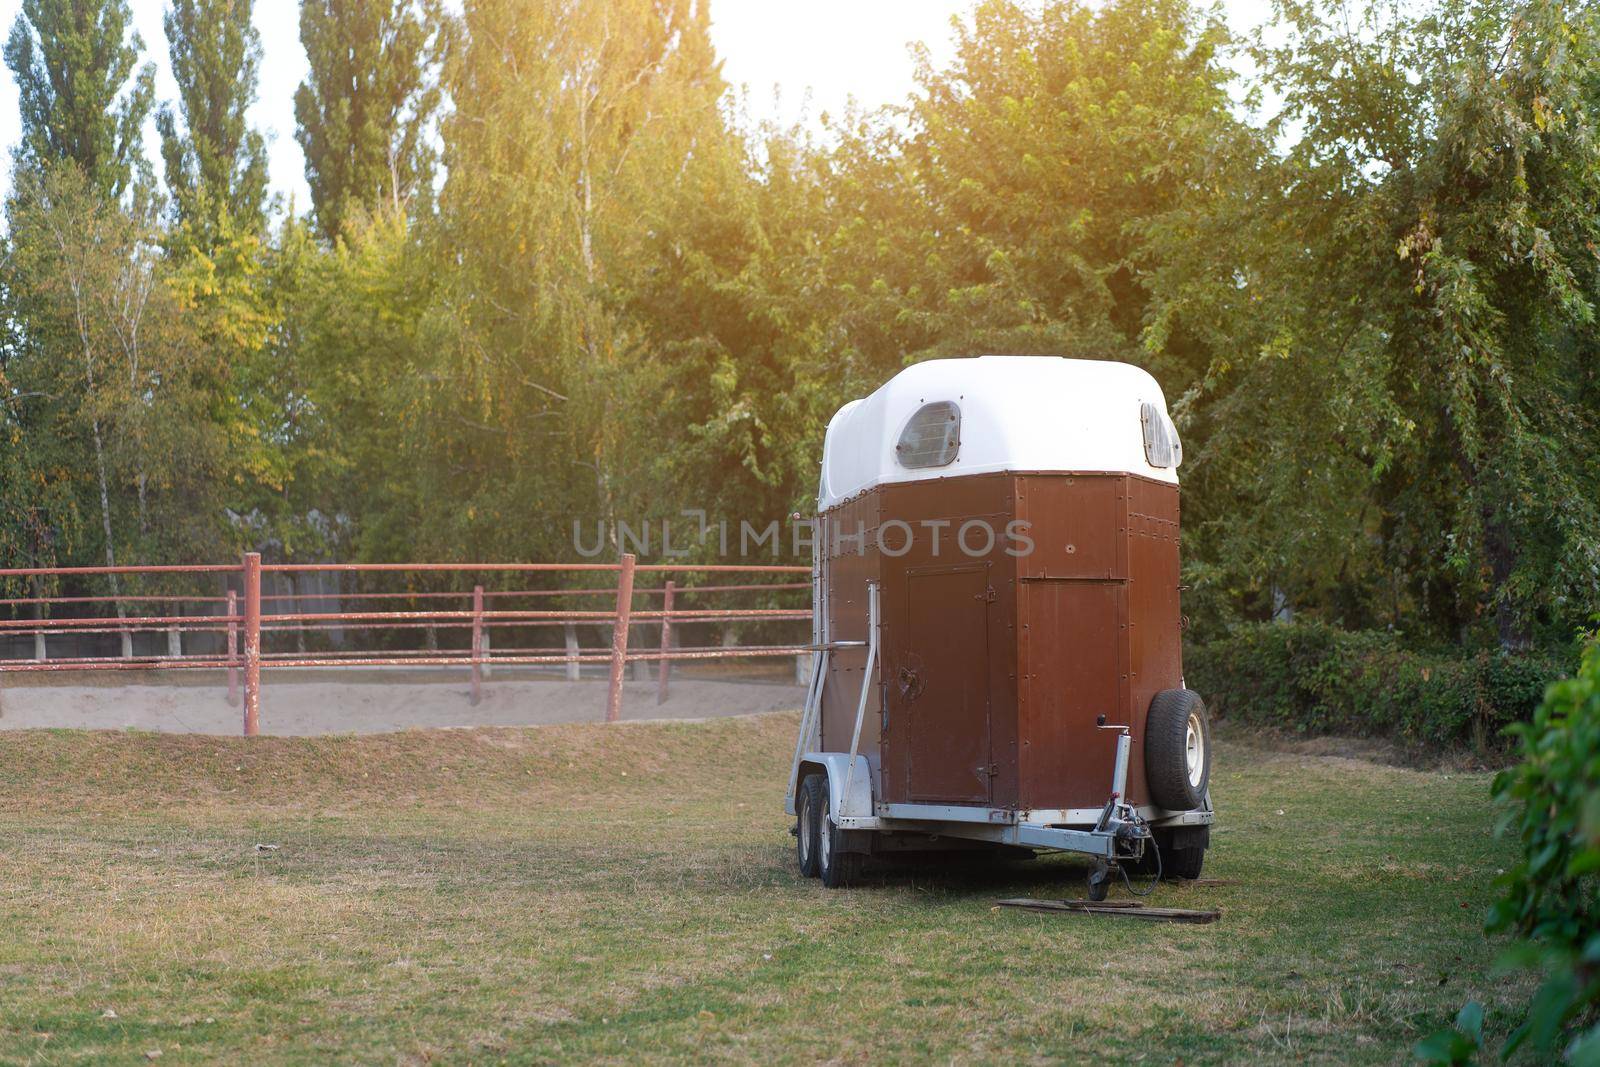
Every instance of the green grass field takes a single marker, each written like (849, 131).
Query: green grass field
(628, 893)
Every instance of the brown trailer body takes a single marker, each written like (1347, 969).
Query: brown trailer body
(1020, 613)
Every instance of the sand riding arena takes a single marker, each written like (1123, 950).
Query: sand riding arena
(304, 649)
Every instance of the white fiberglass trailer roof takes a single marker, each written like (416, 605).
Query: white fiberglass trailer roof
(950, 417)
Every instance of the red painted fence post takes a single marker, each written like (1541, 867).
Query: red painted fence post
(252, 644)
(666, 643)
(619, 636)
(233, 649)
(477, 644)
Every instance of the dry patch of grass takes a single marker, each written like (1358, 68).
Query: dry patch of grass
(111, 771)
(625, 893)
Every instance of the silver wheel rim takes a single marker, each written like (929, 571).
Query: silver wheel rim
(807, 829)
(1194, 750)
(824, 844)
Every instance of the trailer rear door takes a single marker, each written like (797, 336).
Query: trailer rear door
(939, 692)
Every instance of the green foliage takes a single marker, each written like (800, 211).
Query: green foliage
(216, 166)
(39, 519)
(364, 109)
(1313, 678)
(1552, 894)
(1458, 1044)
(1026, 200)
(734, 319)
(1401, 434)
(72, 60)
(545, 402)
(219, 274)
(110, 384)
(355, 343)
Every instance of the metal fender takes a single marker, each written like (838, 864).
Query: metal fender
(859, 803)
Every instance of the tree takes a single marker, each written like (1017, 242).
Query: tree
(1018, 202)
(1406, 425)
(1070, 184)
(358, 341)
(216, 165)
(363, 112)
(1075, 182)
(72, 60)
(110, 365)
(740, 326)
(39, 518)
(574, 127)
(217, 273)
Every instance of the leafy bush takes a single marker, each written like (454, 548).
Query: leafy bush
(1552, 895)
(1459, 1044)
(1312, 678)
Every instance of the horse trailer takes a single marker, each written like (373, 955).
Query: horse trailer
(997, 641)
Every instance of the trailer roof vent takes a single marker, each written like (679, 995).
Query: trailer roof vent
(1161, 445)
(932, 437)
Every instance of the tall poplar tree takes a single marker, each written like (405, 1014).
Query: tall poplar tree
(79, 93)
(363, 111)
(216, 163)
(221, 272)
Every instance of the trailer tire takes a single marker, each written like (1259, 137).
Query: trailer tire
(1182, 864)
(808, 805)
(1177, 854)
(1177, 750)
(835, 866)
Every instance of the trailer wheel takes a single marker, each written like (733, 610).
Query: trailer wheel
(809, 805)
(1182, 863)
(835, 866)
(1177, 749)
(1176, 854)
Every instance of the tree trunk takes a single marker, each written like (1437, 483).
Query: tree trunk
(296, 606)
(1511, 627)
(40, 613)
(574, 668)
(105, 527)
(1499, 548)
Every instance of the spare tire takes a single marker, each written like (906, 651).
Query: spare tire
(1177, 750)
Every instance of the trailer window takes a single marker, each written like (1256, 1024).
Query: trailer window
(1161, 445)
(932, 437)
